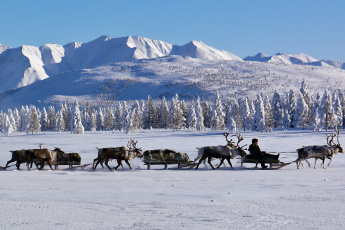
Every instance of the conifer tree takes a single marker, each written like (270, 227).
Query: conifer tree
(200, 115)
(78, 127)
(259, 123)
(302, 111)
(192, 119)
(7, 127)
(176, 118)
(277, 110)
(34, 125)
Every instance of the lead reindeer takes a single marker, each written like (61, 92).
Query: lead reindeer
(319, 151)
(333, 149)
(222, 152)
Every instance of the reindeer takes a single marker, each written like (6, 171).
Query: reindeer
(56, 154)
(332, 150)
(119, 153)
(201, 149)
(20, 156)
(43, 155)
(319, 151)
(223, 152)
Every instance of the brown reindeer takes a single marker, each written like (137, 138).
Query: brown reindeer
(119, 153)
(42, 155)
(18, 155)
(222, 152)
(56, 154)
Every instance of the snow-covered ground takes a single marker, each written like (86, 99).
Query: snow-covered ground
(238, 198)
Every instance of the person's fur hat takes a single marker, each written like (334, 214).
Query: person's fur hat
(254, 140)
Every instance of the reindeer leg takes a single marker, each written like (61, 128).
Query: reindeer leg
(127, 163)
(330, 161)
(209, 161)
(315, 163)
(229, 162)
(49, 165)
(201, 159)
(119, 162)
(94, 167)
(106, 163)
(9, 162)
(221, 162)
(307, 162)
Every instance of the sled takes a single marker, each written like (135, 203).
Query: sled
(273, 162)
(166, 157)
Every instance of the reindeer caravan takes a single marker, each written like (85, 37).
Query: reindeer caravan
(41, 157)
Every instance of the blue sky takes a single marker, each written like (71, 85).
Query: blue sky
(245, 28)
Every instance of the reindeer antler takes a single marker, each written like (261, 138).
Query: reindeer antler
(132, 144)
(331, 135)
(226, 137)
(239, 137)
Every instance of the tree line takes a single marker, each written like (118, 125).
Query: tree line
(290, 110)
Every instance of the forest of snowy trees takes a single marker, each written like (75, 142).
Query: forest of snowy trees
(292, 110)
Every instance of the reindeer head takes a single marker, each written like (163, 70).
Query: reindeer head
(241, 149)
(330, 141)
(59, 151)
(132, 145)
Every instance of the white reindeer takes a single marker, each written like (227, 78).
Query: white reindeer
(319, 152)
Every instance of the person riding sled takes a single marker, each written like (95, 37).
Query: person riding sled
(259, 155)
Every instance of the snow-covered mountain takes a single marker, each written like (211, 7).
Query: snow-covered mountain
(134, 67)
(282, 58)
(298, 59)
(24, 65)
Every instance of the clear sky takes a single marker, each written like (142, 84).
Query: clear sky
(243, 27)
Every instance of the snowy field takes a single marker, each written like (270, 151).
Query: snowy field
(238, 198)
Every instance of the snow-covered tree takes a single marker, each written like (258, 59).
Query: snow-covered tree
(316, 120)
(200, 115)
(109, 119)
(176, 118)
(259, 123)
(232, 125)
(34, 125)
(44, 120)
(277, 110)
(246, 115)
(302, 111)
(218, 115)
(269, 119)
(51, 118)
(78, 127)
(292, 107)
(7, 127)
(192, 119)
(164, 111)
(100, 119)
(60, 121)
(286, 123)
